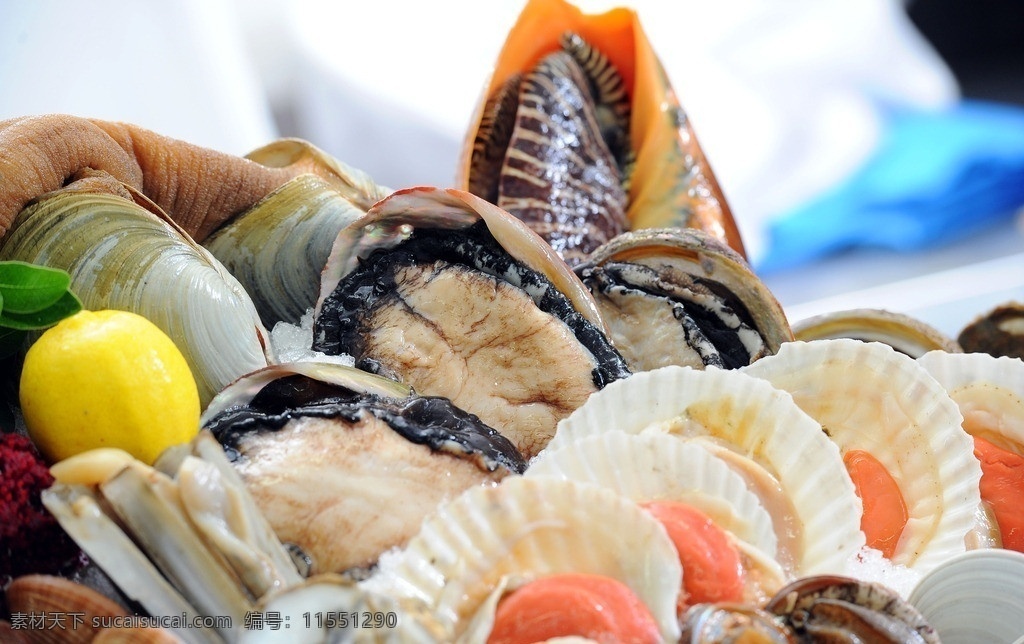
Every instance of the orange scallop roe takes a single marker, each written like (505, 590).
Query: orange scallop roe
(592, 606)
(885, 512)
(1002, 487)
(712, 567)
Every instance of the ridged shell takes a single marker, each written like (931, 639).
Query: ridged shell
(278, 248)
(757, 422)
(672, 183)
(872, 398)
(121, 256)
(989, 391)
(974, 597)
(522, 529)
(902, 332)
(53, 597)
(648, 467)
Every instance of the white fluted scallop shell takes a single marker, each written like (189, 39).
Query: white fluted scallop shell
(656, 467)
(989, 391)
(523, 529)
(873, 398)
(758, 428)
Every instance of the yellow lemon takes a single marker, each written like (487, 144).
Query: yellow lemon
(107, 379)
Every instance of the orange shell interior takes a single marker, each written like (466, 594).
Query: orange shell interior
(658, 141)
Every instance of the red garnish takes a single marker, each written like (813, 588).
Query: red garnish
(31, 540)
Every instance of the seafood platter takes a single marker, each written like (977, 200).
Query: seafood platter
(550, 403)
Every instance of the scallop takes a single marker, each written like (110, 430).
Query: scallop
(870, 397)
(989, 392)
(656, 467)
(497, 538)
(781, 451)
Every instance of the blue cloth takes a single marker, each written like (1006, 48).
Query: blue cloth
(936, 176)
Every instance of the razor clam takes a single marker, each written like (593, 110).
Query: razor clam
(122, 256)
(345, 464)
(278, 248)
(78, 510)
(900, 331)
(147, 503)
(681, 297)
(579, 124)
(455, 297)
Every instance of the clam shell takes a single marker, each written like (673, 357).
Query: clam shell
(989, 392)
(48, 595)
(278, 248)
(757, 422)
(523, 529)
(902, 332)
(974, 597)
(648, 467)
(122, 256)
(872, 398)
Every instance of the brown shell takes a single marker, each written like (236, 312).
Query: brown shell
(672, 184)
(47, 594)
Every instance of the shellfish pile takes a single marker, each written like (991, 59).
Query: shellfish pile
(562, 372)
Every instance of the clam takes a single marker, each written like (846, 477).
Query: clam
(492, 540)
(902, 332)
(780, 451)
(456, 298)
(679, 296)
(345, 464)
(278, 247)
(68, 607)
(841, 609)
(579, 133)
(875, 403)
(121, 255)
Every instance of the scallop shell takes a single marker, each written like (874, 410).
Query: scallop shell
(853, 389)
(988, 390)
(760, 423)
(648, 467)
(523, 529)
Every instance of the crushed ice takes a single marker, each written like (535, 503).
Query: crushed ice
(291, 343)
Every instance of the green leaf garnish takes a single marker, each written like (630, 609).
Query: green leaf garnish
(68, 304)
(30, 288)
